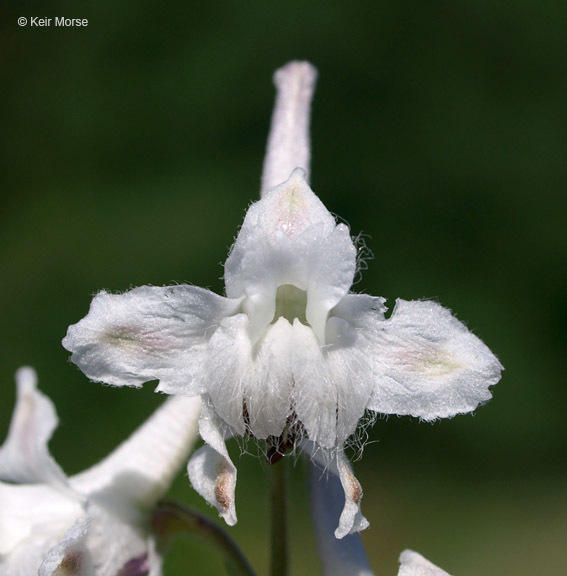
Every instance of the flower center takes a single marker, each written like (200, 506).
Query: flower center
(291, 303)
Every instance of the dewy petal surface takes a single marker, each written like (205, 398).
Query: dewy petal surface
(24, 456)
(422, 360)
(414, 564)
(148, 333)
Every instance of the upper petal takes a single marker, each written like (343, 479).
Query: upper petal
(24, 456)
(422, 361)
(289, 237)
(414, 564)
(148, 333)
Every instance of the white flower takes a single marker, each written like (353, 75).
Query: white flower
(290, 355)
(414, 564)
(94, 523)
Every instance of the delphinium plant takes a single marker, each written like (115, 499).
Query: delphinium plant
(289, 357)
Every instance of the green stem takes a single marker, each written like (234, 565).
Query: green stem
(279, 559)
(170, 518)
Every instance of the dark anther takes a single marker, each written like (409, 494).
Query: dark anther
(279, 446)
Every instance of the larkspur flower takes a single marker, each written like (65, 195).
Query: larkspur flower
(290, 355)
(94, 523)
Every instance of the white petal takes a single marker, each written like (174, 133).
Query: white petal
(238, 377)
(314, 392)
(422, 360)
(211, 471)
(331, 384)
(34, 511)
(24, 456)
(142, 468)
(226, 367)
(351, 519)
(414, 564)
(338, 557)
(288, 142)
(70, 557)
(349, 363)
(148, 333)
(268, 390)
(289, 237)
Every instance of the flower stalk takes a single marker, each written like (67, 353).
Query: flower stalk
(170, 518)
(278, 498)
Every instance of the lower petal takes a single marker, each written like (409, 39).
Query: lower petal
(351, 519)
(211, 471)
(338, 557)
(314, 392)
(269, 385)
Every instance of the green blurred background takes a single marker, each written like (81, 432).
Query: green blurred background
(131, 149)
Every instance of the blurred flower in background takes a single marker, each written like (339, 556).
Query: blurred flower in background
(95, 523)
